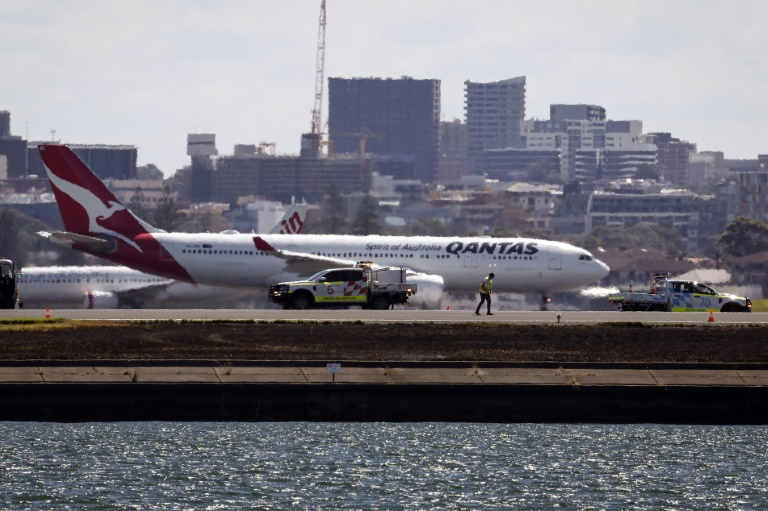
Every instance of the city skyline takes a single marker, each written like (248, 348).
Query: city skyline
(148, 73)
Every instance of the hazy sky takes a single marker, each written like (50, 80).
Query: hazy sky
(147, 73)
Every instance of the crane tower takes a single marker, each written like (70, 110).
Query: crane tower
(317, 112)
(311, 142)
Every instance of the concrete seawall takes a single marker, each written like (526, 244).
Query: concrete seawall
(203, 391)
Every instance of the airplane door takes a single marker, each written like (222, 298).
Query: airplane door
(470, 260)
(555, 259)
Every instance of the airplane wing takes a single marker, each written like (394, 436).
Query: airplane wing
(301, 263)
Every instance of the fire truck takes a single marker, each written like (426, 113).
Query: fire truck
(362, 285)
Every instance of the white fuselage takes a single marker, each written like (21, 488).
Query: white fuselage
(44, 285)
(101, 286)
(520, 264)
(62, 283)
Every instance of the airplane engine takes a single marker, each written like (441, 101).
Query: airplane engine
(101, 300)
(429, 292)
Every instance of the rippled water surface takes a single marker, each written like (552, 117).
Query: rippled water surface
(381, 466)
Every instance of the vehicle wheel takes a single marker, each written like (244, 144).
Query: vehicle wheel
(303, 301)
(733, 307)
(380, 302)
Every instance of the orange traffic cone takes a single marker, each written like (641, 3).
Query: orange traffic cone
(711, 317)
(653, 287)
(630, 286)
(47, 313)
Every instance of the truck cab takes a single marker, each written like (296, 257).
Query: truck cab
(692, 296)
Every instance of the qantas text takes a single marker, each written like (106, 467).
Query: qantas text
(458, 247)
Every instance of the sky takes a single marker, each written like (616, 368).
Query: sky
(147, 73)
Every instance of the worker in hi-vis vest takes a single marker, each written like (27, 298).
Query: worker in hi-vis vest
(486, 287)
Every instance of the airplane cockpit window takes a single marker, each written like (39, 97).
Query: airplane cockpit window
(585, 257)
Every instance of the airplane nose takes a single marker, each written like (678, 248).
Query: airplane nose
(600, 269)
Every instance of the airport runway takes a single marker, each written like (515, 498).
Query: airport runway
(369, 316)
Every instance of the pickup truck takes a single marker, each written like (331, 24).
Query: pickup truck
(680, 296)
(363, 286)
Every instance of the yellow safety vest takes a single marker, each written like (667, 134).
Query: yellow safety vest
(486, 286)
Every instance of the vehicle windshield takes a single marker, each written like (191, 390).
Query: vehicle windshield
(317, 275)
(702, 289)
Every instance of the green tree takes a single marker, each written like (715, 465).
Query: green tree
(136, 204)
(648, 171)
(544, 172)
(149, 172)
(167, 214)
(208, 221)
(427, 227)
(367, 219)
(9, 236)
(337, 217)
(638, 235)
(743, 236)
(19, 240)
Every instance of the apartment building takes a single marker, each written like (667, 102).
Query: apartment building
(397, 116)
(494, 113)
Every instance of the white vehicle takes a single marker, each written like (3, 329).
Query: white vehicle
(97, 223)
(680, 296)
(364, 286)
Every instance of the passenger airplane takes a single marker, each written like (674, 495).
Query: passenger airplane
(109, 287)
(97, 223)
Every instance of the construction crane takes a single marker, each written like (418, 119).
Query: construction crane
(362, 136)
(317, 112)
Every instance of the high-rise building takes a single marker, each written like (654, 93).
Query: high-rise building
(580, 142)
(494, 113)
(387, 117)
(672, 157)
(13, 150)
(106, 161)
(453, 150)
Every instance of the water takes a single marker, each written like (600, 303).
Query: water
(319, 466)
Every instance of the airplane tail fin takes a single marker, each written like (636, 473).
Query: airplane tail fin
(293, 220)
(87, 206)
